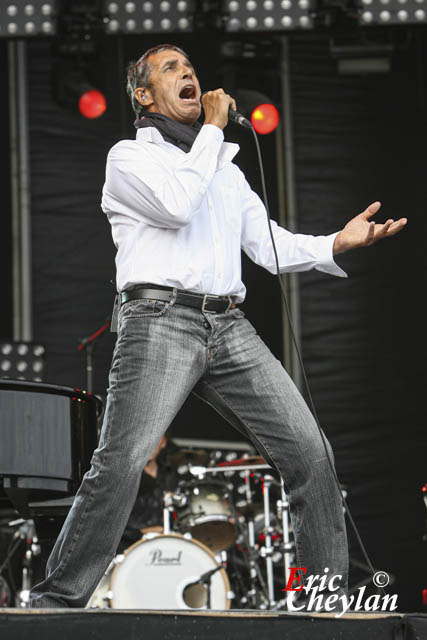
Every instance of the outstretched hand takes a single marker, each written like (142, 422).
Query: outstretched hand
(361, 232)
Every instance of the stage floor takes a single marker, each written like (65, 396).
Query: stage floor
(106, 624)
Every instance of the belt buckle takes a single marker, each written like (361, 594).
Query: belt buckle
(205, 297)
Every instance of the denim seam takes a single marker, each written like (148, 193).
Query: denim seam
(257, 437)
(91, 495)
(149, 314)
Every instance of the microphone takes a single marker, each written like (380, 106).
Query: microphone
(236, 117)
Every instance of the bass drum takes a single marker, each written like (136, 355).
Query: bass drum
(158, 573)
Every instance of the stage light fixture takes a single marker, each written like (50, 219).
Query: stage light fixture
(391, 12)
(75, 85)
(148, 16)
(268, 15)
(92, 104)
(265, 118)
(22, 360)
(258, 108)
(27, 18)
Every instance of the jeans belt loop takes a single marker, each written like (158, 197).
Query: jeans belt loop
(115, 314)
(174, 296)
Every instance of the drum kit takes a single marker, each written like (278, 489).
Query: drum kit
(226, 542)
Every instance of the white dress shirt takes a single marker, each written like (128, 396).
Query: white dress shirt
(181, 219)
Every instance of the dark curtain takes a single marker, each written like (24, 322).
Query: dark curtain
(361, 139)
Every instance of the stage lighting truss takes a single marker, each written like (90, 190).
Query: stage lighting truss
(22, 360)
(268, 15)
(149, 16)
(22, 19)
(385, 12)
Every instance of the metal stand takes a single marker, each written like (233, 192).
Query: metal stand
(287, 546)
(267, 550)
(252, 550)
(88, 344)
(166, 516)
(26, 531)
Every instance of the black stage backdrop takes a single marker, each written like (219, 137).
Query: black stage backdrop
(358, 139)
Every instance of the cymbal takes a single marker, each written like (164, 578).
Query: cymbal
(250, 460)
(189, 456)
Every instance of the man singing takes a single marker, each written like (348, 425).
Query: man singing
(180, 213)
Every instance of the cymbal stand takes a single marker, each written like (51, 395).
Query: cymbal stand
(267, 551)
(287, 547)
(28, 532)
(200, 472)
(168, 506)
(253, 573)
(257, 594)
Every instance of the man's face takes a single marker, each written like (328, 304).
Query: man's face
(175, 89)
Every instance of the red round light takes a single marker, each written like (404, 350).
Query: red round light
(92, 104)
(265, 118)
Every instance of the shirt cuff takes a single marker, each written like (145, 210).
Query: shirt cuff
(214, 132)
(326, 262)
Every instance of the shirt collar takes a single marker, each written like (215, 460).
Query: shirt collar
(151, 134)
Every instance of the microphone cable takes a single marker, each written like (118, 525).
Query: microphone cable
(300, 360)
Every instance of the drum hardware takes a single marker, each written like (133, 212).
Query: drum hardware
(168, 506)
(252, 562)
(33, 549)
(257, 598)
(26, 531)
(249, 468)
(200, 471)
(205, 581)
(14, 543)
(267, 550)
(287, 545)
(253, 461)
(251, 542)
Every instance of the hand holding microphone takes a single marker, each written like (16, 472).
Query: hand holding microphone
(220, 108)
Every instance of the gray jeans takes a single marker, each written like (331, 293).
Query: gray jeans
(163, 352)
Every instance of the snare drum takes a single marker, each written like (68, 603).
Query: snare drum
(206, 513)
(158, 573)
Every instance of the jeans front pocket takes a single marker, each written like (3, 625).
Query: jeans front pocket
(143, 307)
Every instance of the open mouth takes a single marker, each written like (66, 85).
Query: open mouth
(188, 93)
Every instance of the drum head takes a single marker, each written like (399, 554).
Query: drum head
(207, 514)
(216, 533)
(158, 573)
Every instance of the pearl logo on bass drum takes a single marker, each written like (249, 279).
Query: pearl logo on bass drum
(157, 558)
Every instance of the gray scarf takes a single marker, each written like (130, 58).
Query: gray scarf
(181, 135)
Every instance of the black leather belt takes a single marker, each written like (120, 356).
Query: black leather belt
(207, 303)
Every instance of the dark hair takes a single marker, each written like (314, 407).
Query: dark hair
(138, 73)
